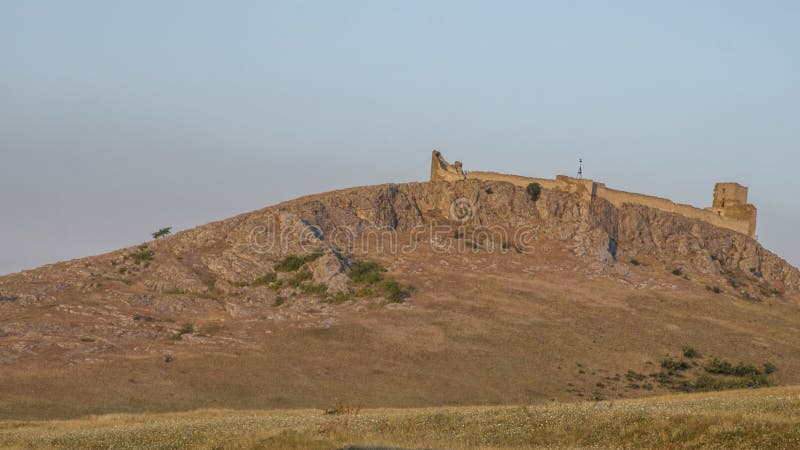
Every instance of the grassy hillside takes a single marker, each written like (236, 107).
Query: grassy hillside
(760, 418)
(214, 317)
(479, 329)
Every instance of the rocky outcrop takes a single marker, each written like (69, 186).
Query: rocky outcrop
(214, 260)
(593, 228)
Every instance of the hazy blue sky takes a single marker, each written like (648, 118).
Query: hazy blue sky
(117, 118)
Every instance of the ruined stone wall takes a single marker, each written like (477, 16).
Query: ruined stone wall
(735, 215)
(441, 170)
(618, 198)
(515, 179)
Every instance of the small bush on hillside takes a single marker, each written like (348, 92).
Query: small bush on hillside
(508, 247)
(769, 368)
(673, 365)
(368, 272)
(265, 279)
(722, 367)
(290, 264)
(338, 298)
(279, 301)
(634, 376)
(709, 383)
(677, 272)
(690, 352)
(534, 191)
(314, 289)
(392, 290)
(368, 275)
(162, 232)
(294, 262)
(299, 277)
(714, 289)
(142, 253)
(635, 262)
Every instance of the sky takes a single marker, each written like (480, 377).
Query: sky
(119, 118)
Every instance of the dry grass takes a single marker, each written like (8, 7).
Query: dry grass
(481, 329)
(763, 418)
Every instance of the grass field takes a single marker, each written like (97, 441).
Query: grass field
(759, 418)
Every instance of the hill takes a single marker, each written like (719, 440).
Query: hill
(408, 295)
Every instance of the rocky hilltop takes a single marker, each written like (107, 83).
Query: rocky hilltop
(441, 292)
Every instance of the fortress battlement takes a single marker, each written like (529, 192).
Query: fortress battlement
(729, 208)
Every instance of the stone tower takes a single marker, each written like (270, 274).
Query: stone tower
(729, 194)
(730, 200)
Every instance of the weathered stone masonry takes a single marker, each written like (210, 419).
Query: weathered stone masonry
(729, 208)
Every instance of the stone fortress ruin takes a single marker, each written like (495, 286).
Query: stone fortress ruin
(729, 208)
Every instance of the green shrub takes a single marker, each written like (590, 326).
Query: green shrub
(279, 301)
(673, 365)
(368, 275)
(769, 368)
(690, 352)
(294, 262)
(709, 383)
(722, 367)
(677, 272)
(299, 277)
(634, 376)
(338, 298)
(392, 290)
(314, 289)
(367, 272)
(534, 191)
(635, 262)
(162, 232)
(265, 279)
(142, 253)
